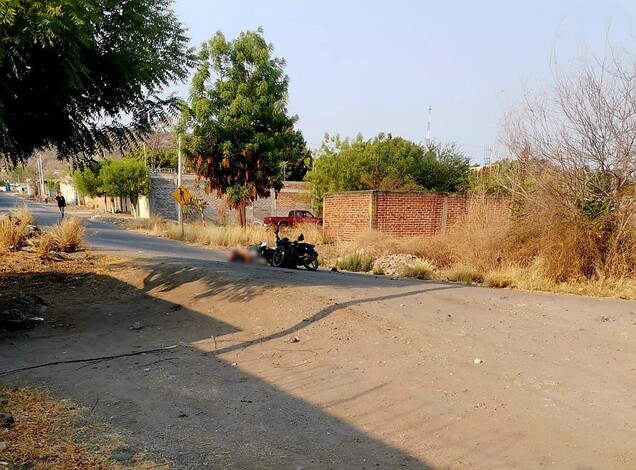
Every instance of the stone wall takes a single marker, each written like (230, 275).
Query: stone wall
(294, 195)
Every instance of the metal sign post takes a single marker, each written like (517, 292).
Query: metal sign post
(180, 209)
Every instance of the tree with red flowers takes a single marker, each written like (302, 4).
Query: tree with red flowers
(240, 130)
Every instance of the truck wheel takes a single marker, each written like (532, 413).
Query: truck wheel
(310, 261)
(279, 257)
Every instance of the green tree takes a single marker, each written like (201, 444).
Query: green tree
(125, 178)
(88, 180)
(237, 114)
(385, 163)
(72, 68)
(444, 169)
(155, 158)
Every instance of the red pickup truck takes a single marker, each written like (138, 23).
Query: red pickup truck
(294, 218)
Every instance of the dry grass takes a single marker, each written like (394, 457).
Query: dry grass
(418, 270)
(542, 251)
(51, 433)
(45, 245)
(224, 235)
(502, 278)
(68, 236)
(14, 228)
(463, 274)
(356, 262)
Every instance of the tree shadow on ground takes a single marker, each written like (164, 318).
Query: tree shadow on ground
(194, 408)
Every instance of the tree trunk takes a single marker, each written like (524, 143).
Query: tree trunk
(241, 214)
(134, 199)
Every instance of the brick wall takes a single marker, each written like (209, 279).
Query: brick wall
(401, 214)
(294, 195)
(347, 215)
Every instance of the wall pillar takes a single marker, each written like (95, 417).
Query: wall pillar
(444, 215)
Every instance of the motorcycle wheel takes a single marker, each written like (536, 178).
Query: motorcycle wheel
(279, 258)
(310, 261)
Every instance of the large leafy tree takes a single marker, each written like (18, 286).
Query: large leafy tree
(126, 177)
(240, 127)
(385, 163)
(84, 76)
(88, 180)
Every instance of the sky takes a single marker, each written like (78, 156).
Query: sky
(376, 66)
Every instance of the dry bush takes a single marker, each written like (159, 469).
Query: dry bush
(14, 228)
(45, 245)
(418, 270)
(68, 236)
(479, 240)
(356, 262)
(574, 143)
(463, 274)
(502, 277)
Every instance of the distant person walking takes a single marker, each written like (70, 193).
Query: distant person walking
(61, 202)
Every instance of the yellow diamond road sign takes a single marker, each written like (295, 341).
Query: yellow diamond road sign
(181, 195)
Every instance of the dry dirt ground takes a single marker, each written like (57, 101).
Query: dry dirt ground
(291, 369)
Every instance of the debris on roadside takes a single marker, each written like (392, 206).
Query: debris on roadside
(6, 420)
(392, 265)
(21, 311)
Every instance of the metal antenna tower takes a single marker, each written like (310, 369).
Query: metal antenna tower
(428, 128)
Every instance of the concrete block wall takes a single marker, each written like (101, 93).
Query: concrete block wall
(294, 195)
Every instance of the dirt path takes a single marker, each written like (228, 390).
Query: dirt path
(383, 374)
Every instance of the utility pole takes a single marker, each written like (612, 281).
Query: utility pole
(41, 177)
(145, 156)
(179, 207)
(487, 155)
(428, 129)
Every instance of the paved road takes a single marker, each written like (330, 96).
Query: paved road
(109, 237)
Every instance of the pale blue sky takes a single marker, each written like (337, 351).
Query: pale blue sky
(375, 66)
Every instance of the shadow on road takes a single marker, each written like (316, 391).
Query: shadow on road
(193, 407)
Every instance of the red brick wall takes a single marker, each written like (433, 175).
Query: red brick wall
(408, 214)
(347, 215)
(401, 214)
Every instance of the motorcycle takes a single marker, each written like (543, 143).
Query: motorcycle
(261, 253)
(290, 254)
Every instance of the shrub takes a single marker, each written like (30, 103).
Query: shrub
(356, 262)
(501, 278)
(68, 236)
(418, 270)
(45, 244)
(377, 270)
(14, 228)
(465, 275)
